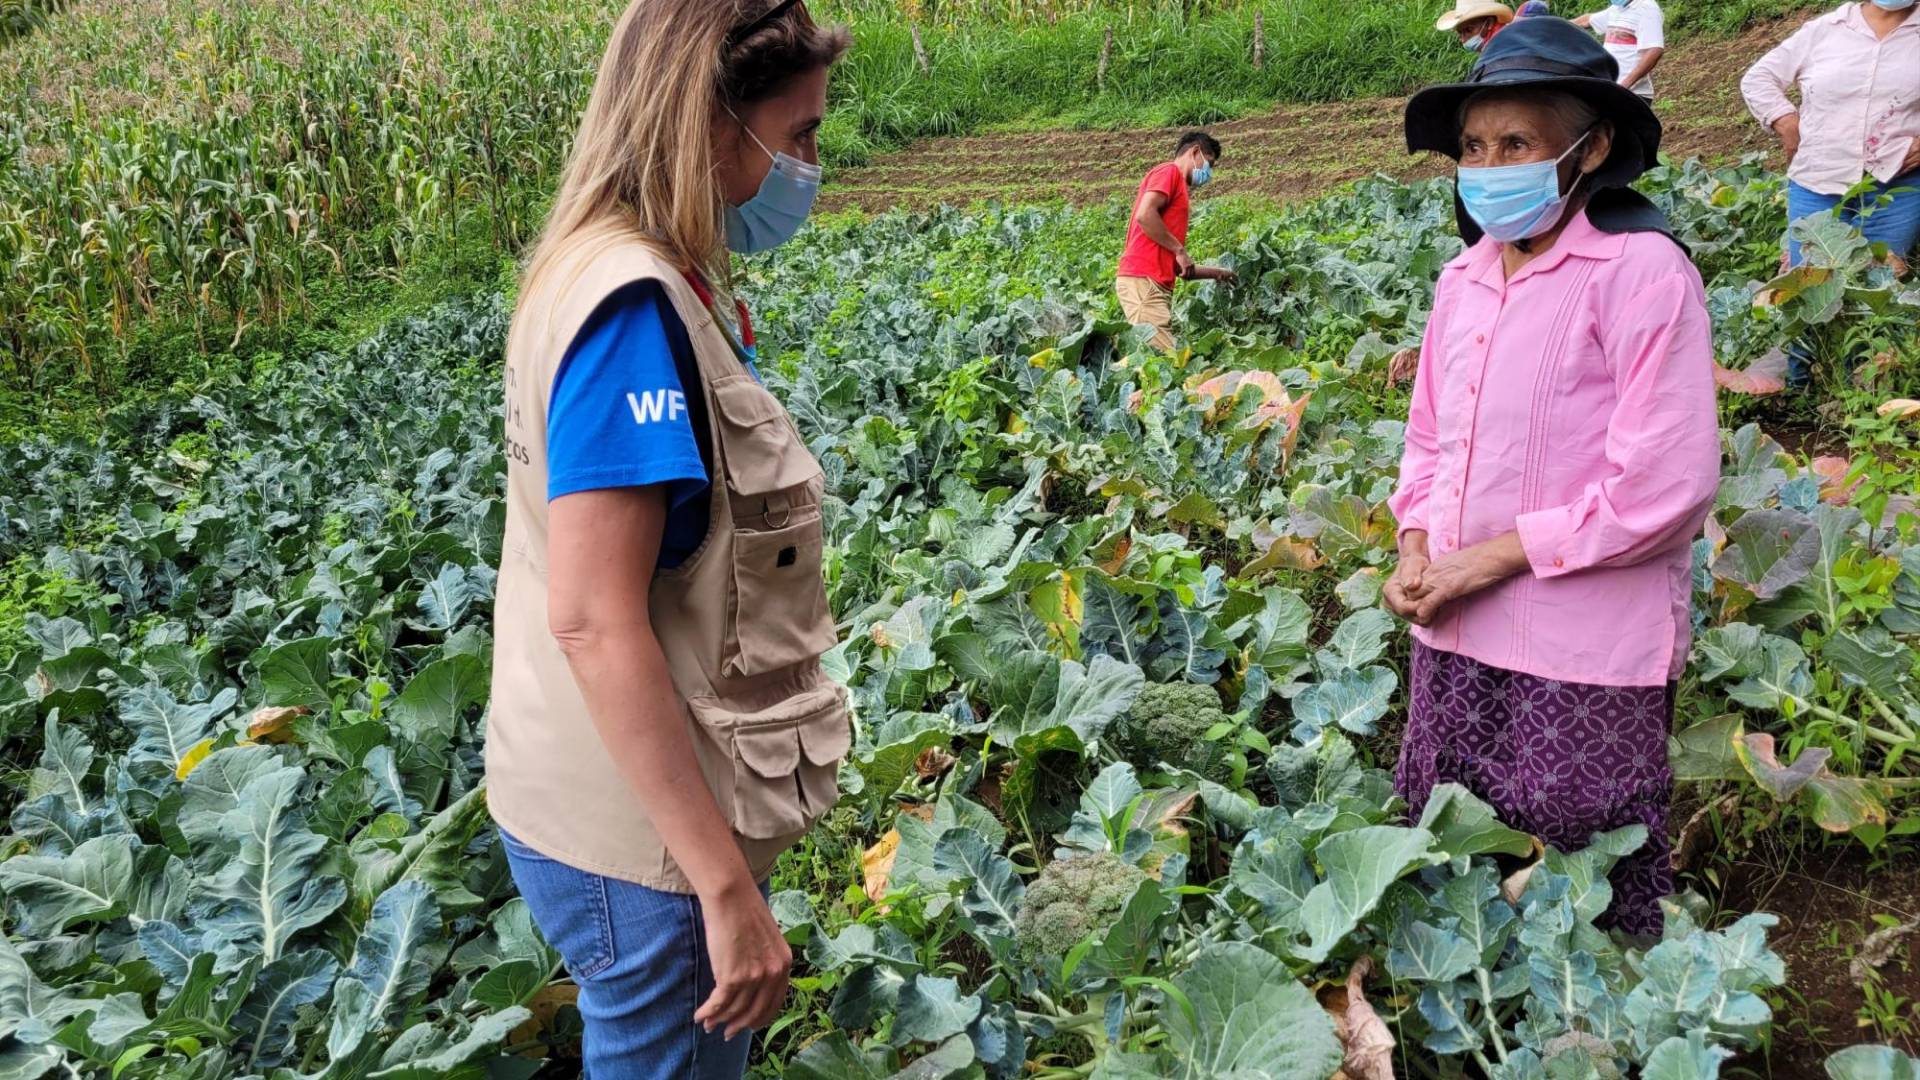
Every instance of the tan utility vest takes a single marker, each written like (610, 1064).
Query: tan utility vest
(742, 622)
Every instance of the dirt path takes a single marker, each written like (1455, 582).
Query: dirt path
(1295, 151)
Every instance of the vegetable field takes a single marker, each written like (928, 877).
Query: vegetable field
(1123, 686)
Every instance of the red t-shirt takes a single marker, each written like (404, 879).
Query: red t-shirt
(1143, 257)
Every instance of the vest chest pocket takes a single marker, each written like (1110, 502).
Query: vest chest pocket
(786, 759)
(763, 452)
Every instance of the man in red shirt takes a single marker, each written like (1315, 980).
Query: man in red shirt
(1156, 253)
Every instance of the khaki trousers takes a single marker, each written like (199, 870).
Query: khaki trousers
(1146, 302)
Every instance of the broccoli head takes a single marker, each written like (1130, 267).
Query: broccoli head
(1072, 899)
(1168, 723)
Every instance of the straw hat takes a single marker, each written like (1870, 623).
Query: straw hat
(1468, 10)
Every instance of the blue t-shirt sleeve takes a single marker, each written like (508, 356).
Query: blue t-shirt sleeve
(619, 414)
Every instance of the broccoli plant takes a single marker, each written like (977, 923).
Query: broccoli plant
(1073, 899)
(1178, 724)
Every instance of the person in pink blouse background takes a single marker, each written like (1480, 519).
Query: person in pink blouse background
(1858, 72)
(1562, 451)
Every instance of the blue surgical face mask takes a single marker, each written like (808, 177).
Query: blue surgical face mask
(1474, 43)
(778, 209)
(1624, 3)
(1894, 5)
(1516, 202)
(1202, 174)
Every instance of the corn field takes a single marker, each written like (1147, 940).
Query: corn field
(204, 161)
(18, 18)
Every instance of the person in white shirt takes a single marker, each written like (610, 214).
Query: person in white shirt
(1635, 34)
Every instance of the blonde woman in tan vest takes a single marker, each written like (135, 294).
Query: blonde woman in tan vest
(660, 727)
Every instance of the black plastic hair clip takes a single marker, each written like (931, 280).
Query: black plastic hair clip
(761, 23)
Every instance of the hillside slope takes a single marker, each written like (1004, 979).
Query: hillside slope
(1292, 152)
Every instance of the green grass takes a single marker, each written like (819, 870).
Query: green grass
(1162, 73)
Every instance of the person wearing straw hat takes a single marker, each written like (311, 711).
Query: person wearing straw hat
(1562, 451)
(1475, 21)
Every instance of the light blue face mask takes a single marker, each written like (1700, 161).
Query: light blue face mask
(1516, 202)
(1474, 43)
(1894, 5)
(1202, 174)
(1624, 3)
(778, 209)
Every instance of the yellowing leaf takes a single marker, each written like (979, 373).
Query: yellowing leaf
(192, 758)
(876, 865)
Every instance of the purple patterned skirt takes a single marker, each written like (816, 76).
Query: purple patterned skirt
(1557, 759)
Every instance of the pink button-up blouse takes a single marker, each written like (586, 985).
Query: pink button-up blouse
(1575, 404)
(1859, 98)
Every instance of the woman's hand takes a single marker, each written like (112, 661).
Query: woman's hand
(1912, 160)
(1465, 572)
(1788, 128)
(1407, 585)
(750, 958)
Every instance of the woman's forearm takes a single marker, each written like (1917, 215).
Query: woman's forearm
(629, 693)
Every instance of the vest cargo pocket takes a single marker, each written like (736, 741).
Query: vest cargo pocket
(763, 452)
(778, 612)
(786, 760)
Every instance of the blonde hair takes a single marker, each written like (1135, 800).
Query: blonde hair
(642, 162)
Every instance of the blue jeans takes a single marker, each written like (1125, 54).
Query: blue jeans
(1896, 225)
(640, 959)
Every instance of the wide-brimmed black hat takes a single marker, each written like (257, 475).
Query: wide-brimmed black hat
(1547, 53)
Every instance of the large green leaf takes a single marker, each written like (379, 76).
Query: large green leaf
(1425, 953)
(66, 760)
(1090, 697)
(52, 892)
(1250, 1017)
(165, 730)
(1273, 872)
(391, 965)
(30, 1010)
(1359, 641)
(271, 886)
(1463, 825)
(1768, 550)
(993, 891)
(933, 1009)
(1870, 658)
(1352, 701)
(265, 1020)
(1706, 751)
(1359, 865)
(431, 705)
(1872, 1063)
(427, 1051)
(445, 600)
(1685, 1057)
(298, 673)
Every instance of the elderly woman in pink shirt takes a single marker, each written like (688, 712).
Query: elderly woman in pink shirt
(1858, 70)
(1561, 454)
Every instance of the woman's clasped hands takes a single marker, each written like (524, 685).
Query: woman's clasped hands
(1422, 586)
